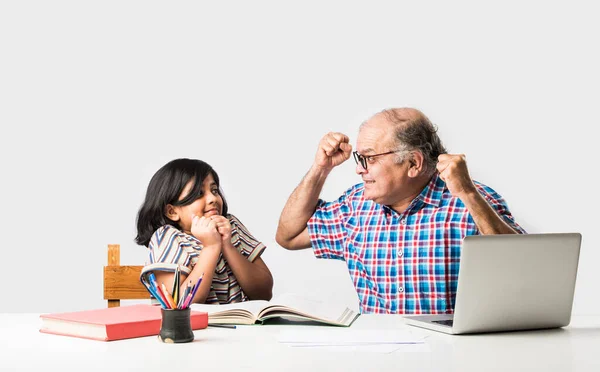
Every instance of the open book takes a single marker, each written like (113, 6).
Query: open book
(283, 306)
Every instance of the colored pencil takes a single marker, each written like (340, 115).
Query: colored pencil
(195, 289)
(168, 296)
(222, 326)
(175, 290)
(187, 301)
(157, 296)
(184, 297)
(152, 291)
(180, 299)
(158, 290)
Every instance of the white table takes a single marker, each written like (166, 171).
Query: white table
(574, 348)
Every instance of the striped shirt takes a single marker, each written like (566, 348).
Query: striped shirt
(405, 263)
(170, 247)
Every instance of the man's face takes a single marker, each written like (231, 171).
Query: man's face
(385, 181)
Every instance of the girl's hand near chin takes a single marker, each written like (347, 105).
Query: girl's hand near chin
(205, 230)
(223, 227)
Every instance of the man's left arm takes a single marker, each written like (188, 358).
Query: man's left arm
(453, 170)
(487, 220)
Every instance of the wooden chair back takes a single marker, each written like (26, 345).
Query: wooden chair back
(122, 282)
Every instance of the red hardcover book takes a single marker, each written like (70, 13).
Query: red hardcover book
(115, 323)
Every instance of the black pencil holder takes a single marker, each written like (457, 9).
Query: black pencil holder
(176, 326)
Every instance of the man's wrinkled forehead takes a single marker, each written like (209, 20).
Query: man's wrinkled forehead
(373, 135)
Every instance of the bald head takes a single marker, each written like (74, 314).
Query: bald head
(410, 130)
(397, 117)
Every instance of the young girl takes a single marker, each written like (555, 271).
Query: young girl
(184, 222)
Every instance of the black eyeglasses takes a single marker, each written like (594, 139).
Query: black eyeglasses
(365, 159)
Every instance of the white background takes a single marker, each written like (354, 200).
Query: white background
(95, 97)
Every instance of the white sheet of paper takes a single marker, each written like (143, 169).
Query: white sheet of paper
(347, 336)
(381, 348)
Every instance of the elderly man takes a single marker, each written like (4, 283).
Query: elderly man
(401, 229)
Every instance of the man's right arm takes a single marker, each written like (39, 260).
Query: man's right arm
(292, 231)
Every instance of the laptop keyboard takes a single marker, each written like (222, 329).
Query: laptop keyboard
(447, 322)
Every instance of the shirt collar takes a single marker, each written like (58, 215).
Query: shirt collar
(432, 193)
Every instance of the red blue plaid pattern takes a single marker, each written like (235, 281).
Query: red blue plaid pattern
(400, 263)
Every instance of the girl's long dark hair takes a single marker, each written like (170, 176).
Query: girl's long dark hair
(165, 187)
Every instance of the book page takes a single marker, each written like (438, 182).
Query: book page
(239, 308)
(310, 308)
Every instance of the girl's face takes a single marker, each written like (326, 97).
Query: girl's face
(208, 204)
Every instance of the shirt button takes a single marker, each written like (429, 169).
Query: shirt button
(403, 221)
(401, 289)
(400, 253)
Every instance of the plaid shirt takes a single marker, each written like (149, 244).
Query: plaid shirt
(404, 263)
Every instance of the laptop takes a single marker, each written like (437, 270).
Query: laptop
(510, 283)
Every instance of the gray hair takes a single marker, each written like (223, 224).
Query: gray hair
(415, 133)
